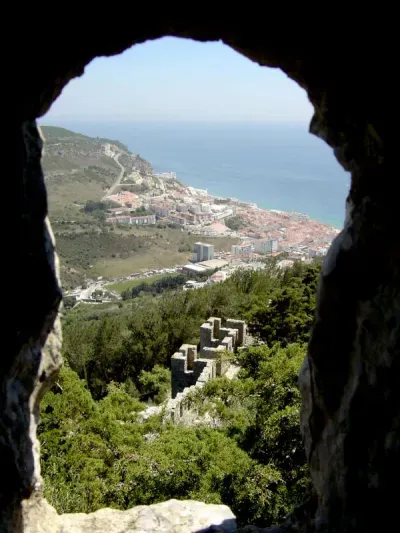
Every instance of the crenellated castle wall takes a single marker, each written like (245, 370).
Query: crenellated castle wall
(190, 366)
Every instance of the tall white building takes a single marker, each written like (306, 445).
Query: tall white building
(203, 252)
(266, 246)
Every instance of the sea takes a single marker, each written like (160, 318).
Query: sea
(277, 166)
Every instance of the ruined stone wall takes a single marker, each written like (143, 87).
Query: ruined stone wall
(180, 408)
(187, 364)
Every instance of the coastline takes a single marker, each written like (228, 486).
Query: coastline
(278, 166)
(333, 221)
(277, 211)
(145, 198)
(166, 198)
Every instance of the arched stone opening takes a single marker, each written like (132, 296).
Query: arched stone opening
(350, 382)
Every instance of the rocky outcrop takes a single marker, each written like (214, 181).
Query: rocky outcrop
(350, 382)
(172, 516)
(26, 371)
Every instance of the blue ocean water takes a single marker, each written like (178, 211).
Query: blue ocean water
(278, 166)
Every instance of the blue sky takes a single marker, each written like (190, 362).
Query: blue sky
(174, 79)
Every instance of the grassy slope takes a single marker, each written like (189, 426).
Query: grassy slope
(50, 132)
(159, 250)
(102, 252)
(130, 283)
(76, 170)
(55, 132)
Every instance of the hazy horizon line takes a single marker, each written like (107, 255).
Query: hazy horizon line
(46, 121)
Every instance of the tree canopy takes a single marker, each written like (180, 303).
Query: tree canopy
(247, 452)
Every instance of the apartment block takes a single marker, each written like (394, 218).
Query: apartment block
(266, 246)
(241, 249)
(203, 252)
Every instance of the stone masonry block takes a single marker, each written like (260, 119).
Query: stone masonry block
(178, 363)
(229, 332)
(206, 337)
(206, 331)
(216, 324)
(184, 350)
(240, 325)
(192, 356)
(199, 366)
(209, 353)
(227, 343)
(189, 367)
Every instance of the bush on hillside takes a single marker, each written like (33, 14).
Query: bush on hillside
(96, 452)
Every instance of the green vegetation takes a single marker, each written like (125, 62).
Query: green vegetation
(166, 283)
(99, 209)
(260, 412)
(288, 315)
(156, 284)
(91, 247)
(131, 283)
(136, 188)
(105, 344)
(141, 212)
(98, 454)
(234, 223)
(83, 249)
(184, 248)
(92, 206)
(54, 133)
(97, 451)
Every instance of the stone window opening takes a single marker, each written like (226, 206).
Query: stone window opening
(350, 404)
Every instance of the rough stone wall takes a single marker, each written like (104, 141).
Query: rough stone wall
(180, 407)
(187, 365)
(26, 371)
(240, 326)
(207, 338)
(212, 333)
(350, 381)
(172, 516)
(182, 375)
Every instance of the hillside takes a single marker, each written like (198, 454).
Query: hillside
(79, 169)
(105, 440)
(52, 133)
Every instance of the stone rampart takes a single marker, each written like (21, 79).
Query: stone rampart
(180, 407)
(190, 366)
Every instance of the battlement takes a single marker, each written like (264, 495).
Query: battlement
(190, 366)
